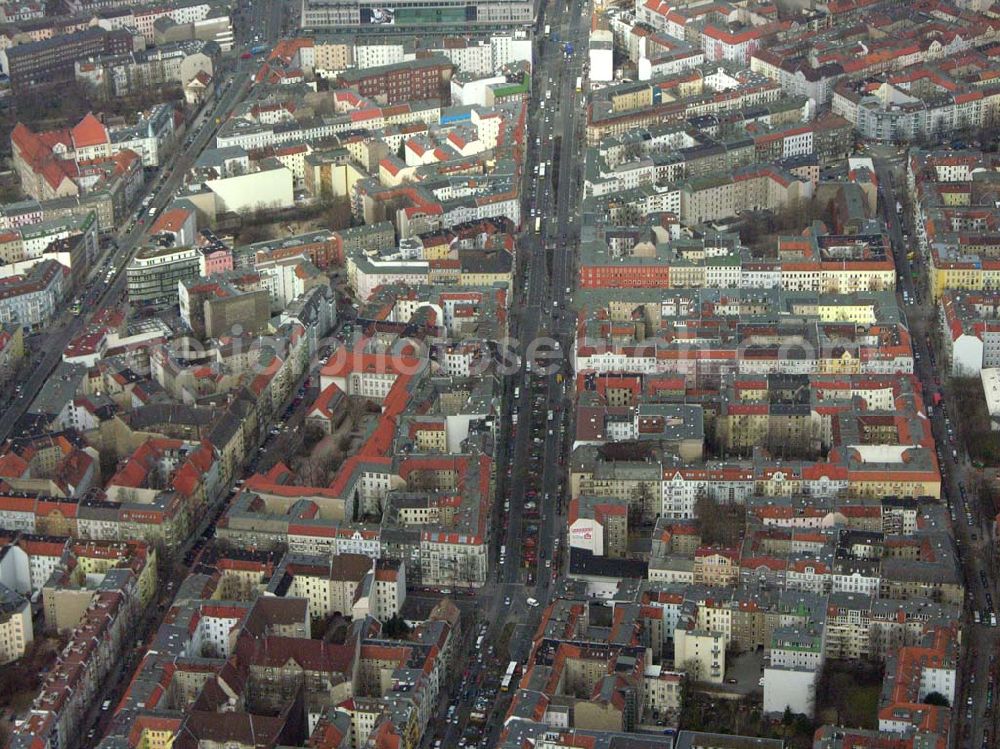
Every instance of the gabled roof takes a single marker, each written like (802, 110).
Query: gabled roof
(36, 150)
(89, 131)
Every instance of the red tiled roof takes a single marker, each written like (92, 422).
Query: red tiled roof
(170, 221)
(89, 131)
(36, 150)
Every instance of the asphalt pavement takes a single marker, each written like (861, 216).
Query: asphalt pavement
(540, 309)
(975, 723)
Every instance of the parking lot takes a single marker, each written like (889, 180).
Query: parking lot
(744, 672)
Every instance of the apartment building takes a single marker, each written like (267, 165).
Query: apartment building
(416, 80)
(16, 627)
(50, 62)
(32, 298)
(126, 75)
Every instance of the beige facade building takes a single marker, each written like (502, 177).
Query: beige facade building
(16, 632)
(701, 654)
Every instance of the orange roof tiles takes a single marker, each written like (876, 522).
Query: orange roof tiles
(89, 131)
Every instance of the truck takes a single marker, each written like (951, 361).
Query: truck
(258, 49)
(538, 225)
(579, 84)
(550, 414)
(569, 49)
(548, 29)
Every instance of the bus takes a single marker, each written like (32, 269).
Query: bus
(509, 676)
(541, 169)
(538, 224)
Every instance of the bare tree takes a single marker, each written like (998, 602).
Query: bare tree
(692, 668)
(720, 525)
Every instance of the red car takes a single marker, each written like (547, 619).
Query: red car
(245, 56)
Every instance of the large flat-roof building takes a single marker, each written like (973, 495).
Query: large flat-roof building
(50, 62)
(409, 14)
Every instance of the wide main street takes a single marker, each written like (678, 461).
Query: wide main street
(536, 424)
(542, 312)
(543, 287)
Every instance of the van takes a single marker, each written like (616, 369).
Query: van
(503, 551)
(532, 602)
